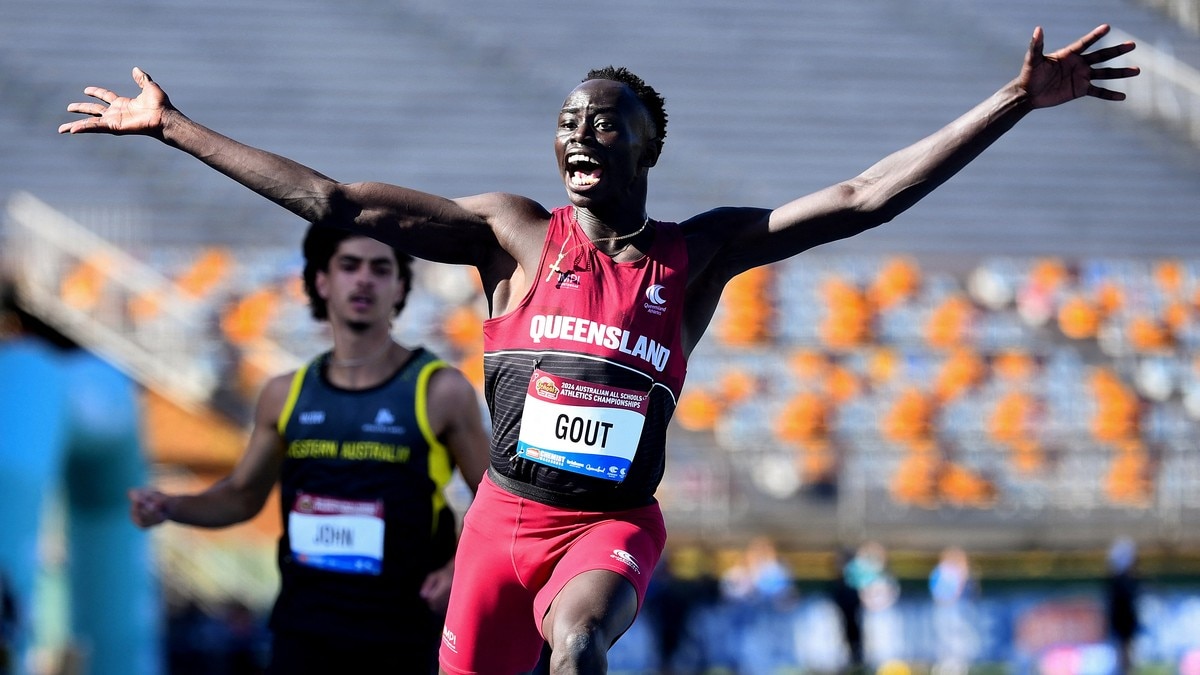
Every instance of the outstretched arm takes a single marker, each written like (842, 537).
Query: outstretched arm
(237, 497)
(425, 225)
(894, 184)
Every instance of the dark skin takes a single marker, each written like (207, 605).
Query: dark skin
(602, 121)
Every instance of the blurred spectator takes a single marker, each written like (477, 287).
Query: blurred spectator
(682, 584)
(1121, 595)
(878, 589)
(850, 608)
(760, 576)
(953, 588)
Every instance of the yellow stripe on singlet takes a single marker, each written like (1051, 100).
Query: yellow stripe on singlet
(290, 403)
(440, 465)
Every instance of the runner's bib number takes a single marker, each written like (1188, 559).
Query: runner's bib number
(337, 535)
(582, 427)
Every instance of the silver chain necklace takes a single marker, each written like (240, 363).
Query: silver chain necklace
(563, 250)
(362, 360)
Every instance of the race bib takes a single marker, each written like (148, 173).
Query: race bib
(582, 427)
(337, 535)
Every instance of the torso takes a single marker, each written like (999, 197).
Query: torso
(362, 503)
(605, 341)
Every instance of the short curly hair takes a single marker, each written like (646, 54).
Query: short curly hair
(320, 243)
(655, 104)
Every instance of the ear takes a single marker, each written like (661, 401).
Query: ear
(651, 154)
(322, 284)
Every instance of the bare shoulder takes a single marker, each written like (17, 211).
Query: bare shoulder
(518, 223)
(274, 395)
(714, 238)
(504, 209)
(449, 386)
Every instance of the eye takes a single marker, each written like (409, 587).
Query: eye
(605, 125)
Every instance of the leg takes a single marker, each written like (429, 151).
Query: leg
(586, 618)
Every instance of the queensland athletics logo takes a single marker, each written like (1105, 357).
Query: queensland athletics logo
(624, 557)
(656, 304)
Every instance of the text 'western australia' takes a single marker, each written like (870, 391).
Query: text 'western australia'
(355, 450)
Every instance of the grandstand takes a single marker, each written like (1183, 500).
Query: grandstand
(1012, 366)
(1105, 195)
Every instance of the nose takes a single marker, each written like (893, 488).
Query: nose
(582, 130)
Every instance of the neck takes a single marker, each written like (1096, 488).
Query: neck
(338, 360)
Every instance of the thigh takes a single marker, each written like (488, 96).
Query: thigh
(605, 574)
(490, 626)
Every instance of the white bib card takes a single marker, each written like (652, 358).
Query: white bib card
(337, 535)
(577, 426)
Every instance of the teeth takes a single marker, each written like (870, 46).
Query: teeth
(583, 180)
(581, 159)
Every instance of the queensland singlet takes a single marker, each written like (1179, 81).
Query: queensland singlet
(583, 376)
(364, 514)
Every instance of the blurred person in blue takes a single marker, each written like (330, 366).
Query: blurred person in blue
(878, 589)
(594, 308)
(362, 441)
(1122, 588)
(953, 588)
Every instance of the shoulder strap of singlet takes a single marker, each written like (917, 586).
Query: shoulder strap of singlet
(293, 395)
(441, 465)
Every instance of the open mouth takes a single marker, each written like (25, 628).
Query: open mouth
(583, 171)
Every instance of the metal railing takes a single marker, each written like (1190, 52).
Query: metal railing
(1167, 91)
(106, 300)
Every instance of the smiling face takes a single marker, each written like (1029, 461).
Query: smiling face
(361, 286)
(604, 144)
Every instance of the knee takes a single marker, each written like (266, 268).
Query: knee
(580, 648)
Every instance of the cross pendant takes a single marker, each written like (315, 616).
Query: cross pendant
(554, 266)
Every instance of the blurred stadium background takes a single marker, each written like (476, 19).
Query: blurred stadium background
(1011, 367)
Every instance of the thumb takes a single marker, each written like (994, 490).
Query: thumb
(1037, 44)
(141, 77)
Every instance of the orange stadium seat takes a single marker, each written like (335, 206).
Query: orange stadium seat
(961, 371)
(463, 327)
(1117, 409)
(1078, 319)
(1148, 334)
(1011, 417)
(848, 315)
(898, 281)
(949, 323)
(960, 486)
(747, 315)
(698, 410)
(1127, 482)
(210, 268)
(1014, 366)
(250, 317)
(804, 417)
(84, 286)
(1169, 276)
(910, 416)
(915, 481)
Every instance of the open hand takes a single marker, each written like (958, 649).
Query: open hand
(1068, 74)
(119, 115)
